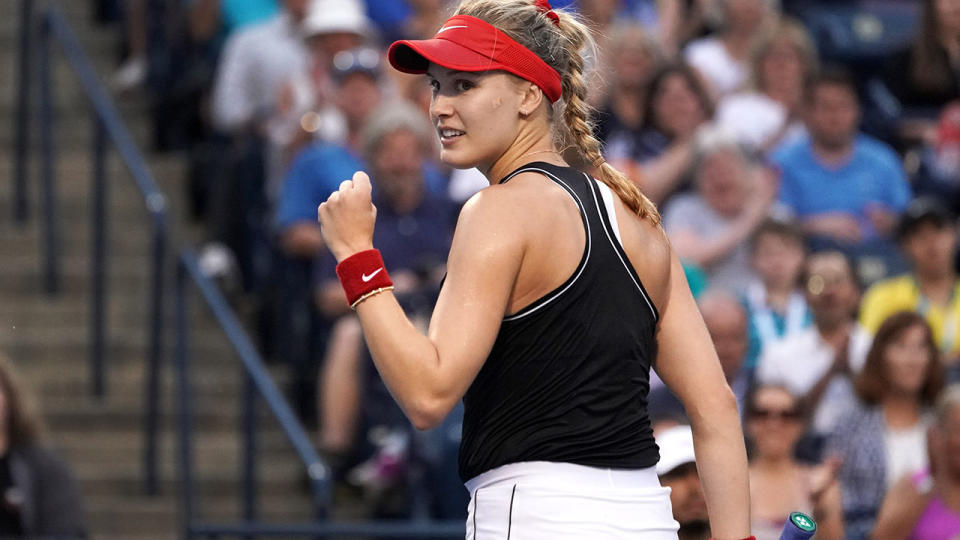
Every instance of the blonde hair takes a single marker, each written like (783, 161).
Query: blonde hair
(562, 47)
(790, 31)
(24, 426)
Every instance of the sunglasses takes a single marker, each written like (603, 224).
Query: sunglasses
(784, 414)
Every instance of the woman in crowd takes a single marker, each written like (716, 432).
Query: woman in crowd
(927, 73)
(723, 58)
(38, 495)
(635, 55)
(769, 113)
(659, 155)
(883, 438)
(779, 484)
(926, 505)
(711, 226)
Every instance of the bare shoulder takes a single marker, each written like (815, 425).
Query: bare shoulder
(490, 219)
(513, 204)
(648, 249)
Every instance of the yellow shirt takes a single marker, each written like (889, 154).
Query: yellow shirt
(901, 293)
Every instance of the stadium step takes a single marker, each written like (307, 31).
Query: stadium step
(47, 338)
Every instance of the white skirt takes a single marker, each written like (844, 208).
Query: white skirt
(540, 500)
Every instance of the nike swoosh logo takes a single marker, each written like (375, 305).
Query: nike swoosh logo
(448, 28)
(367, 278)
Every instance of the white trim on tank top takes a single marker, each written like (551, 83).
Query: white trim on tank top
(607, 194)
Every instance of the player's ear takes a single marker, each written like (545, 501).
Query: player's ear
(530, 98)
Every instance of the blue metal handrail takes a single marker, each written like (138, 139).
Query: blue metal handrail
(108, 126)
(258, 378)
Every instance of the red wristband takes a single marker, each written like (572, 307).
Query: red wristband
(361, 274)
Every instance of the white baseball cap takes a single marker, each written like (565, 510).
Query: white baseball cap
(676, 448)
(329, 16)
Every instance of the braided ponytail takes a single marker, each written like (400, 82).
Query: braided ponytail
(560, 45)
(576, 120)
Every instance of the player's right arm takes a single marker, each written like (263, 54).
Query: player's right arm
(428, 375)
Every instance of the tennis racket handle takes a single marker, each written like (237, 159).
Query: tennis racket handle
(799, 526)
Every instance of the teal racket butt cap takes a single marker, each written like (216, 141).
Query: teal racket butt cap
(803, 522)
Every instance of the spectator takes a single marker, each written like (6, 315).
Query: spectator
(230, 15)
(774, 300)
(634, 56)
(677, 470)
(317, 171)
(40, 496)
(257, 60)
(882, 438)
(133, 72)
(818, 362)
(925, 74)
(845, 187)
(407, 19)
(927, 504)
(769, 112)
(413, 228)
(928, 235)
(723, 59)
(726, 321)
(711, 226)
(659, 156)
(331, 105)
(307, 105)
(779, 484)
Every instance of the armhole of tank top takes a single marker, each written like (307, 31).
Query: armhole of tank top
(608, 216)
(588, 246)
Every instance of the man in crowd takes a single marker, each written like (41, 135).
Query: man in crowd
(256, 62)
(819, 362)
(318, 170)
(845, 187)
(726, 320)
(677, 470)
(928, 235)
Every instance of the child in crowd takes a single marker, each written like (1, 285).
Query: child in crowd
(775, 304)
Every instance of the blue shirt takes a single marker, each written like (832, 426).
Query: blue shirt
(316, 172)
(872, 176)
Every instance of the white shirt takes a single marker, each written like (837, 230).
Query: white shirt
(799, 360)
(906, 450)
(710, 57)
(257, 61)
(755, 119)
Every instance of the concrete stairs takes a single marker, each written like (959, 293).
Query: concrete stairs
(47, 337)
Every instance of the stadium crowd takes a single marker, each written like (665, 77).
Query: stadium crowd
(805, 157)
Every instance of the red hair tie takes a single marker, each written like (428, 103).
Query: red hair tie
(545, 8)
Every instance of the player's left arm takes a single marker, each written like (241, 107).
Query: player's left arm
(688, 364)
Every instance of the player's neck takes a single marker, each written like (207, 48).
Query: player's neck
(526, 149)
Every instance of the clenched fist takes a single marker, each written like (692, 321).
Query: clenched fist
(347, 217)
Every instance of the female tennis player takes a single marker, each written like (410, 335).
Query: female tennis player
(562, 292)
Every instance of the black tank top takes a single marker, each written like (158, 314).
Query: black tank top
(568, 376)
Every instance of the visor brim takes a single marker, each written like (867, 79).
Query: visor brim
(415, 56)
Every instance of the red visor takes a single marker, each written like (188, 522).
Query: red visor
(467, 43)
